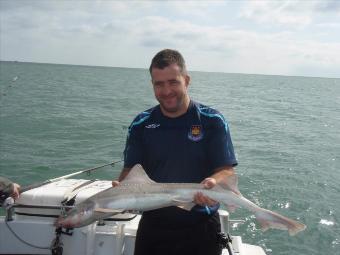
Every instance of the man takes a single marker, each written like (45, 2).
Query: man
(8, 188)
(180, 141)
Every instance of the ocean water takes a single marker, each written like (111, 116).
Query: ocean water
(56, 119)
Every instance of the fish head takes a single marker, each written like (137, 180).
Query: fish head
(79, 216)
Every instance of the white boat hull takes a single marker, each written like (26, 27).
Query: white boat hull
(31, 230)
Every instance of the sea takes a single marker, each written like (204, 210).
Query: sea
(58, 119)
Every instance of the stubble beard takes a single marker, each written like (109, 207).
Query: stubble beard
(179, 104)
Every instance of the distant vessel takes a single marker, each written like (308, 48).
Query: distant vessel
(15, 78)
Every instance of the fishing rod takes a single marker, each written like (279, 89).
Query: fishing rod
(88, 171)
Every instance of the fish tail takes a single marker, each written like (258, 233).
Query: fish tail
(269, 219)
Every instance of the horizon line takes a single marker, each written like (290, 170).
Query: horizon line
(105, 66)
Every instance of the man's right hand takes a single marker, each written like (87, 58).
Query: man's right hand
(115, 183)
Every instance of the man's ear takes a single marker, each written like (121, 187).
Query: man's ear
(187, 80)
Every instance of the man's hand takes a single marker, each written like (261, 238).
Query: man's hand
(16, 191)
(115, 183)
(203, 200)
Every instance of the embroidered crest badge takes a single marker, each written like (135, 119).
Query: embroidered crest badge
(195, 133)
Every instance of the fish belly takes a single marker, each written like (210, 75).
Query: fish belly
(141, 203)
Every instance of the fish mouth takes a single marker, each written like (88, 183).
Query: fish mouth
(75, 217)
(62, 222)
(68, 222)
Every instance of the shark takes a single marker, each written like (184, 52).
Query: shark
(137, 192)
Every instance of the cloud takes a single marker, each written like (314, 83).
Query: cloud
(329, 25)
(129, 33)
(327, 6)
(288, 12)
(279, 12)
(231, 50)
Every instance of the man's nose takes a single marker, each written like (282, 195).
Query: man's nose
(166, 90)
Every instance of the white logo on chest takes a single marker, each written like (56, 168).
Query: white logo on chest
(153, 126)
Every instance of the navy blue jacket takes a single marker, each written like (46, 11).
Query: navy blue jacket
(184, 149)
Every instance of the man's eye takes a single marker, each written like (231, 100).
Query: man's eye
(157, 84)
(174, 82)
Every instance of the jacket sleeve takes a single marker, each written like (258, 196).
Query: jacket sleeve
(220, 146)
(133, 152)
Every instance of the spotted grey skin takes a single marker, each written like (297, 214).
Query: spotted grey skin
(137, 192)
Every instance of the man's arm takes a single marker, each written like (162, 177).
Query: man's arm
(123, 173)
(121, 177)
(220, 176)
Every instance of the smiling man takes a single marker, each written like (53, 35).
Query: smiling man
(179, 141)
(170, 86)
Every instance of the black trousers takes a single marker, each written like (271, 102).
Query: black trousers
(201, 238)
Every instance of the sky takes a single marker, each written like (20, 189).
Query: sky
(295, 38)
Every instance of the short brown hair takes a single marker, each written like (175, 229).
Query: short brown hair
(167, 57)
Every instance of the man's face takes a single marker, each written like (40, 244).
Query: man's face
(170, 87)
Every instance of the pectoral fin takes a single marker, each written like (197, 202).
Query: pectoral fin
(184, 204)
(187, 206)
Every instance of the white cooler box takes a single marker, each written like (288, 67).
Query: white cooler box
(46, 201)
(36, 210)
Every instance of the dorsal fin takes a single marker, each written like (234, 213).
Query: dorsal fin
(137, 175)
(231, 183)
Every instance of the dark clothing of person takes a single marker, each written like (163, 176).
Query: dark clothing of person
(159, 237)
(6, 189)
(186, 149)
